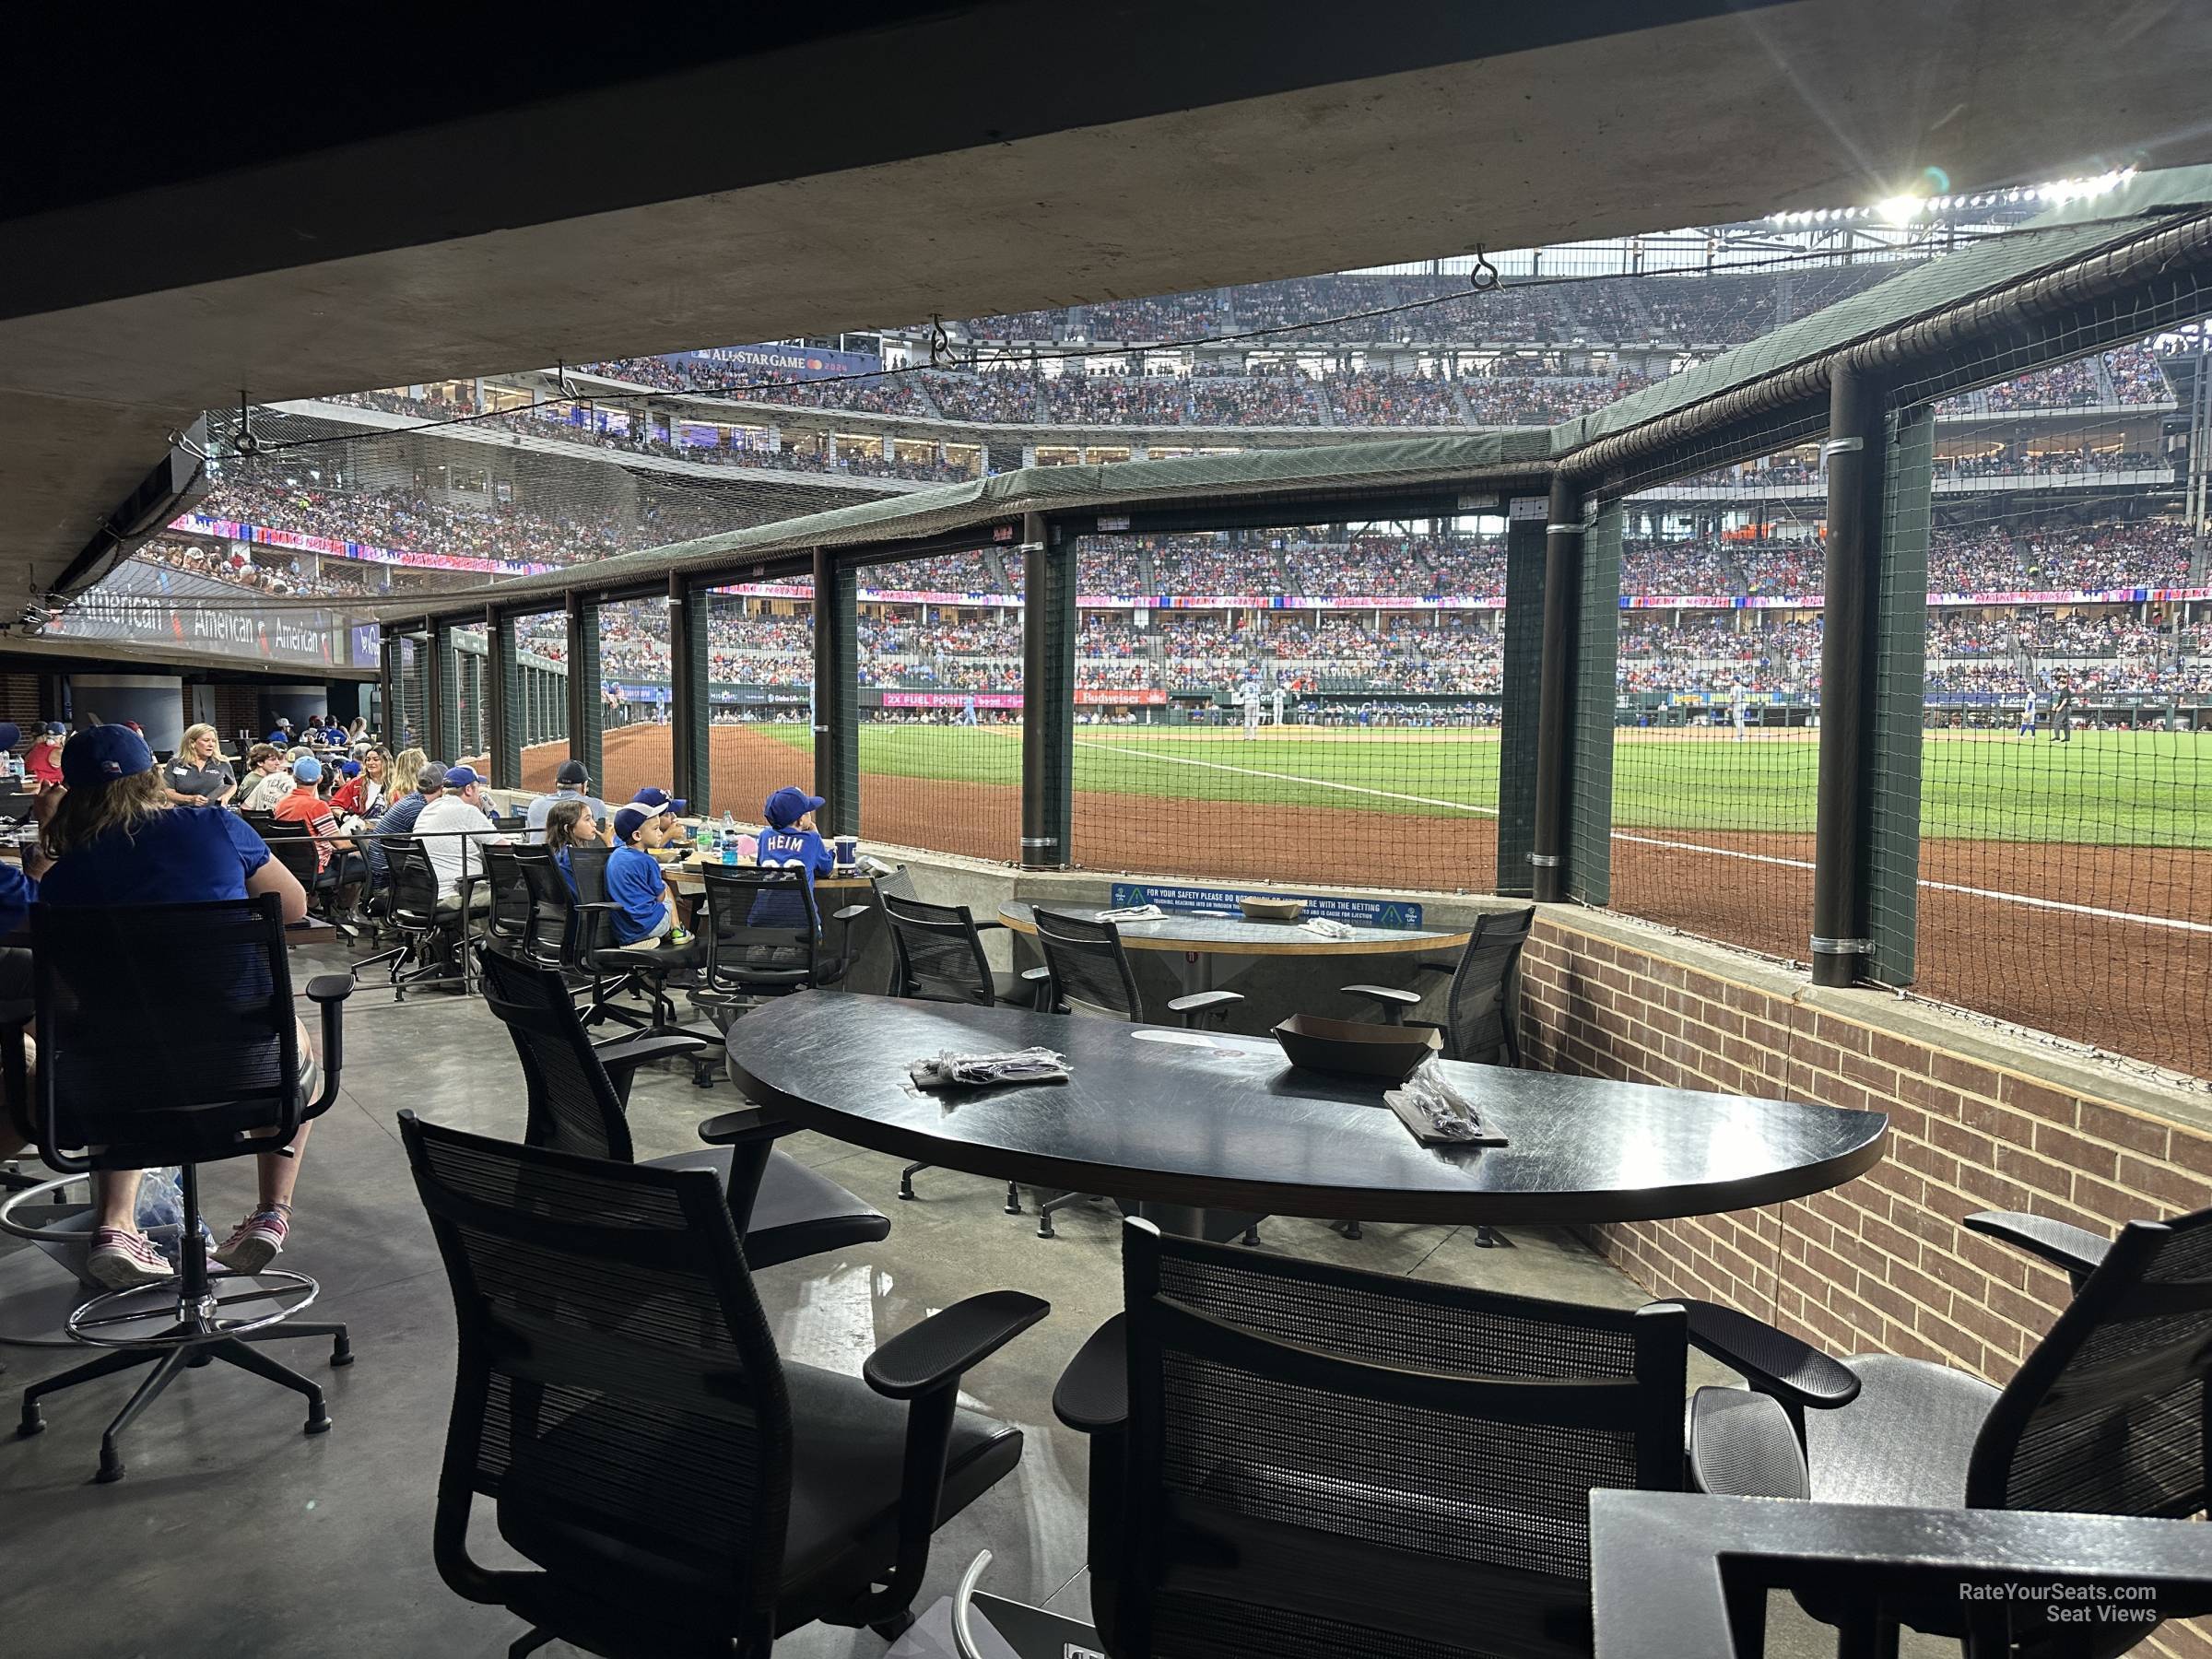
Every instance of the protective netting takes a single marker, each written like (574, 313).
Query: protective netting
(637, 747)
(938, 645)
(1716, 757)
(1310, 704)
(759, 695)
(2065, 818)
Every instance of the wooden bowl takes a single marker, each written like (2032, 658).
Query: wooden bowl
(1354, 1049)
(1272, 909)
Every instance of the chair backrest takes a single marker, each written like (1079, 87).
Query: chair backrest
(509, 916)
(1090, 968)
(2109, 1414)
(763, 929)
(592, 930)
(574, 1106)
(414, 881)
(1476, 1012)
(1324, 1461)
(938, 955)
(208, 987)
(296, 853)
(619, 1395)
(546, 936)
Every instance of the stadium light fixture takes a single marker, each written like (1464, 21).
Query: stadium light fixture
(1899, 209)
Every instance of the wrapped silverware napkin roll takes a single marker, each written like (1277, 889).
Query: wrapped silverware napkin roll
(949, 1070)
(1439, 1114)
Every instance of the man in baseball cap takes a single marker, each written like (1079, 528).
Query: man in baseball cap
(572, 782)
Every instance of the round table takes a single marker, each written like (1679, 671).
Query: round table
(1181, 1118)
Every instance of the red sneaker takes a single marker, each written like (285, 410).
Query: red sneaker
(254, 1242)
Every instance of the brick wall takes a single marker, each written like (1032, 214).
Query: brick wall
(1978, 1120)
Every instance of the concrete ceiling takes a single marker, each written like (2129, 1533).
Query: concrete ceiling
(640, 196)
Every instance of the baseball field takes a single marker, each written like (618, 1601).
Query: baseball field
(2065, 887)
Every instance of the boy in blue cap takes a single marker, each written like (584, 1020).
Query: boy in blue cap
(645, 912)
(790, 842)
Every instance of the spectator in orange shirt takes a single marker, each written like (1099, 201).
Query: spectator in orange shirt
(338, 868)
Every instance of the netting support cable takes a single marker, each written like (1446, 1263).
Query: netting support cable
(1854, 452)
(1048, 694)
(1562, 573)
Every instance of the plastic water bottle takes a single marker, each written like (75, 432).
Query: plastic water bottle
(729, 837)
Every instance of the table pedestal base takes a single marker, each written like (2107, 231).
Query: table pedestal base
(1214, 1225)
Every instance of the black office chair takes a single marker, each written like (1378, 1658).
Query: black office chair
(213, 979)
(579, 1095)
(1090, 974)
(937, 956)
(2105, 1416)
(430, 932)
(616, 970)
(1291, 1458)
(1479, 1020)
(765, 937)
(677, 1487)
(508, 919)
(549, 934)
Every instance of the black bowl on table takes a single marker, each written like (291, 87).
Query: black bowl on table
(1356, 1050)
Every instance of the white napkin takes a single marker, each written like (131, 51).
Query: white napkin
(1134, 913)
(1326, 928)
(948, 1070)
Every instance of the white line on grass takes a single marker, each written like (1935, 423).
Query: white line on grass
(1253, 771)
(1647, 840)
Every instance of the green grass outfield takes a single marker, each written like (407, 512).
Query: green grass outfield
(2103, 789)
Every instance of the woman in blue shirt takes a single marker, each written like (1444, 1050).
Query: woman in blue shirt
(115, 840)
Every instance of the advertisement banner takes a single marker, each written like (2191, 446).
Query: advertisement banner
(1178, 899)
(197, 523)
(951, 700)
(803, 363)
(150, 605)
(1125, 696)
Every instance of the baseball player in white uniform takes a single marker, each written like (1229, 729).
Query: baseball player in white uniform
(2028, 714)
(1736, 699)
(1250, 698)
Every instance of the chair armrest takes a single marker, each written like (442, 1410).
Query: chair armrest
(932, 1356)
(986, 926)
(750, 1122)
(1198, 1001)
(1387, 994)
(1436, 967)
(622, 1058)
(1036, 976)
(852, 912)
(330, 987)
(1773, 1363)
(1742, 1445)
(2075, 1250)
(328, 992)
(1092, 1395)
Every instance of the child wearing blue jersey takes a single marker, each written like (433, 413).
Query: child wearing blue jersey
(790, 842)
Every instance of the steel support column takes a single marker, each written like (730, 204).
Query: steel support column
(501, 746)
(1048, 694)
(1554, 710)
(836, 694)
(685, 705)
(584, 682)
(435, 694)
(1854, 452)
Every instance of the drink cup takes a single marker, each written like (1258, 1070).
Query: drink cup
(848, 851)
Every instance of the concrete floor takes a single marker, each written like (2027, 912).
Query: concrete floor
(235, 1535)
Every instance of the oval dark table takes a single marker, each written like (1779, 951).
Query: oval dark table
(1159, 1116)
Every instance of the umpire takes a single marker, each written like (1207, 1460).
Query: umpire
(2061, 728)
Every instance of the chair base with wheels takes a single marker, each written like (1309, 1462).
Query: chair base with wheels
(200, 1318)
